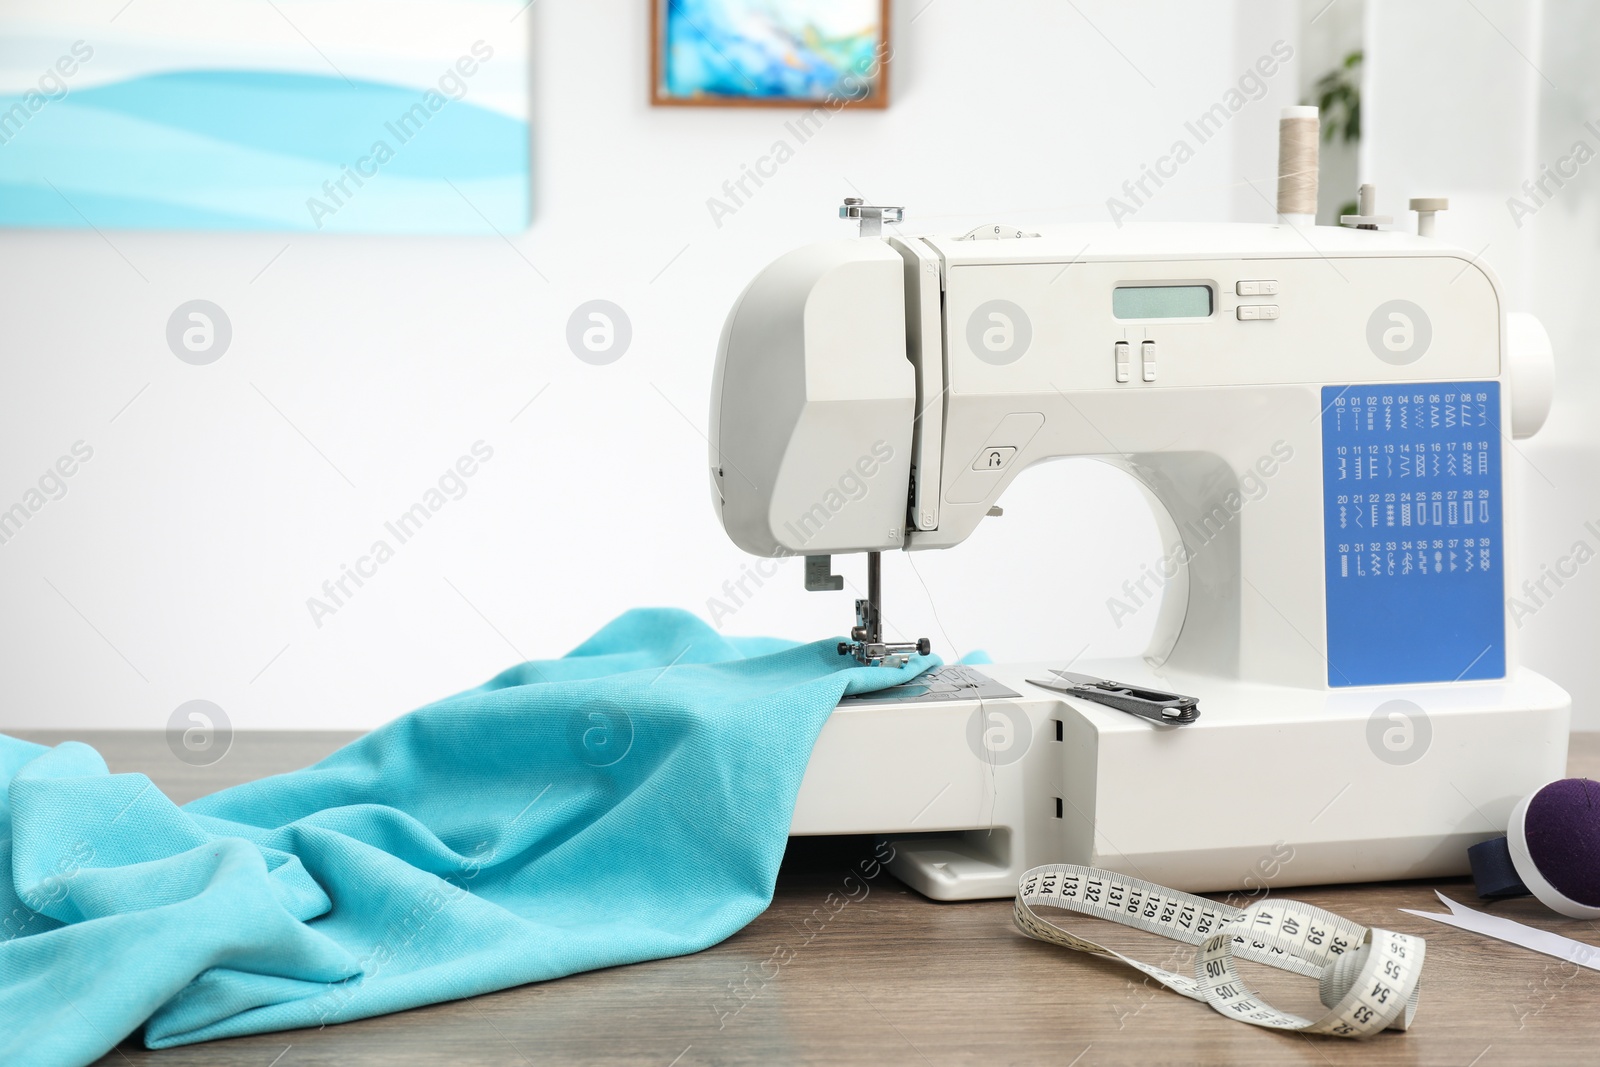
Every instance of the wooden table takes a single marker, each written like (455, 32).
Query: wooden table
(892, 978)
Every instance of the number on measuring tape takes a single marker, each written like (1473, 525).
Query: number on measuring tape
(1368, 979)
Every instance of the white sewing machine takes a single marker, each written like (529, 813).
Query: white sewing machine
(1322, 418)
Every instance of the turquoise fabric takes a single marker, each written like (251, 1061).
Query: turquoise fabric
(627, 802)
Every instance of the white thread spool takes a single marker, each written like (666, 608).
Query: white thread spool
(1299, 136)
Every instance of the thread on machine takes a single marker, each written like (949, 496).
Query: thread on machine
(1299, 132)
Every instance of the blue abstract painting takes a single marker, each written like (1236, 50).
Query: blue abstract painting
(345, 116)
(771, 51)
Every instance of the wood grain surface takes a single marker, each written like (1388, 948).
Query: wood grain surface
(892, 978)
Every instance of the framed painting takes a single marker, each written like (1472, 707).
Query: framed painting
(770, 53)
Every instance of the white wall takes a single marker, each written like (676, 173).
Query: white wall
(179, 563)
(1469, 104)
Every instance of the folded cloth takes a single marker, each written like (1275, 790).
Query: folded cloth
(627, 802)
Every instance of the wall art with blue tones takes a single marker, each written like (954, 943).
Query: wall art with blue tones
(340, 116)
(796, 53)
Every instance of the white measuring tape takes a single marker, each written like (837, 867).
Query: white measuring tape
(1367, 978)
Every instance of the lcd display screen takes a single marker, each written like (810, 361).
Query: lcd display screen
(1161, 302)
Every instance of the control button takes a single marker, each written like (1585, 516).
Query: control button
(979, 484)
(1147, 352)
(1251, 312)
(1257, 287)
(1248, 288)
(1121, 349)
(994, 458)
(1269, 311)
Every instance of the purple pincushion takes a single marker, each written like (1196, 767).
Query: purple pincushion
(1562, 828)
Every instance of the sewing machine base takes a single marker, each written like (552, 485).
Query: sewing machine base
(1272, 787)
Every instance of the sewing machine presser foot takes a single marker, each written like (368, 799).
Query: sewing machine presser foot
(866, 637)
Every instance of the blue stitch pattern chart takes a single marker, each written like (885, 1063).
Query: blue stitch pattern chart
(1411, 506)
